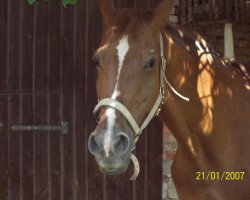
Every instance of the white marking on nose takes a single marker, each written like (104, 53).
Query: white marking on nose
(122, 50)
(110, 125)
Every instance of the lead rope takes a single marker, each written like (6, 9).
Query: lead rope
(133, 158)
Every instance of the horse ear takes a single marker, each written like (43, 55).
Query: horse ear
(161, 13)
(108, 11)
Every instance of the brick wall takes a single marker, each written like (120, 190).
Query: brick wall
(169, 149)
(214, 33)
(174, 18)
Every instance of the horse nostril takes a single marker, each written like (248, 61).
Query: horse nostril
(122, 144)
(93, 146)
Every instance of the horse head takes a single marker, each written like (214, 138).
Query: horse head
(128, 86)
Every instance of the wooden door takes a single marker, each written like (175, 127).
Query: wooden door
(47, 76)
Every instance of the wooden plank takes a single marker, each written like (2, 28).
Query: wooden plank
(54, 104)
(139, 4)
(247, 10)
(14, 45)
(125, 188)
(229, 10)
(154, 153)
(3, 45)
(41, 47)
(68, 101)
(110, 188)
(243, 9)
(182, 11)
(216, 10)
(40, 84)
(4, 147)
(28, 148)
(190, 11)
(196, 10)
(221, 9)
(94, 181)
(141, 153)
(204, 11)
(15, 190)
(27, 47)
(211, 14)
(54, 26)
(54, 142)
(79, 104)
(236, 10)
(41, 147)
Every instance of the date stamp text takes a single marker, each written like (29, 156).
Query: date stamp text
(219, 176)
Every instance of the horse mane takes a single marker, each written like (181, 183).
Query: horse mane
(186, 37)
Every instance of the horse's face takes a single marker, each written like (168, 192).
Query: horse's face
(128, 71)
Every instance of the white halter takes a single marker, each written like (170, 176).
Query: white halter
(108, 102)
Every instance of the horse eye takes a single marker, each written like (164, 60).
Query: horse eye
(150, 63)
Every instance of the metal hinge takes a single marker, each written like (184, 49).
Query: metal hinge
(63, 128)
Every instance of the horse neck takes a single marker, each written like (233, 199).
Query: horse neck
(210, 83)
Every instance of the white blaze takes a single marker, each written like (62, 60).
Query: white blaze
(122, 50)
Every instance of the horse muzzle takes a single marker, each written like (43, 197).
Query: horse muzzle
(112, 149)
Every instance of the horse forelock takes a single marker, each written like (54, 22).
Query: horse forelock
(128, 22)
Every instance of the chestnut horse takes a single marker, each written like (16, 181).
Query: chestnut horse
(146, 67)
